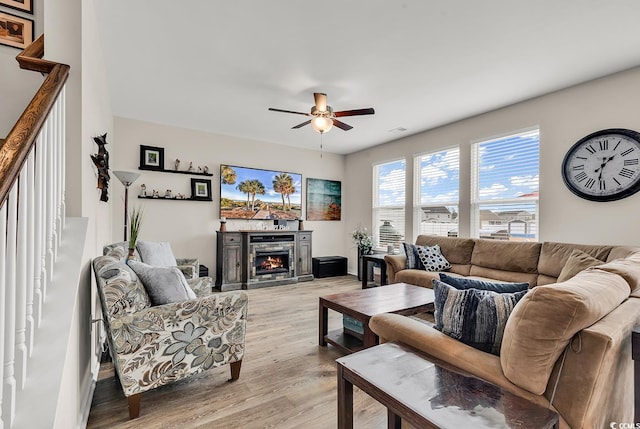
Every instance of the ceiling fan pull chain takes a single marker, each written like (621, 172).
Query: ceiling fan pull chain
(321, 144)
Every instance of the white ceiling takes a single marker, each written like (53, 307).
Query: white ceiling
(217, 66)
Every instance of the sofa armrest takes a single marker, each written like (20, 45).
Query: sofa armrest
(402, 329)
(395, 263)
(202, 286)
(189, 267)
(165, 343)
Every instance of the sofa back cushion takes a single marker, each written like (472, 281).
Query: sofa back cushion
(505, 260)
(554, 256)
(544, 321)
(456, 250)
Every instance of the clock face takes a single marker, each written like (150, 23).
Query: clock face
(604, 166)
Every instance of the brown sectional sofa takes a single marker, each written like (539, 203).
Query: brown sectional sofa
(573, 336)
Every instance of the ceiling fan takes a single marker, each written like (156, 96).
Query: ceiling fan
(323, 116)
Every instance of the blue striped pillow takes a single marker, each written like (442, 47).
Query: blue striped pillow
(473, 316)
(413, 257)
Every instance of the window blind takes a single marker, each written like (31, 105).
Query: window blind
(389, 203)
(437, 192)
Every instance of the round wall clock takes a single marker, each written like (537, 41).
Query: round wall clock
(603, 166)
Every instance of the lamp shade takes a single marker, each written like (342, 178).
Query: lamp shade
(126, 177)
(322, 124)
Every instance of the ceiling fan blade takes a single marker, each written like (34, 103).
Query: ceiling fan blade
(355, 112)
(321, 101)
(342, 125)
(289, 111)
(302, 124)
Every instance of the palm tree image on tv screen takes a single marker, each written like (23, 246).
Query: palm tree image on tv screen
(251, 193)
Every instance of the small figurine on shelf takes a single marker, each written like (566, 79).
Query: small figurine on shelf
(206, 169)
(177, 164)
(199, 169)
(190, 166)
(180, 196)
(223, 223)
(143, 190)
(156, 194)
(168, 194)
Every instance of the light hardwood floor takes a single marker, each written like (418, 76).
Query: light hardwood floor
(287, 380)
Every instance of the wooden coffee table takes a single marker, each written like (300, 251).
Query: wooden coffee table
(431, 394)
(399, 298)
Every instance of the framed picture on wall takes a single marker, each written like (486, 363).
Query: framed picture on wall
(324, 199)
(23, 5)
(151, 158)
(15, 31)
(201, 189)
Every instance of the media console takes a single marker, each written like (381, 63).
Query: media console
(251, 259)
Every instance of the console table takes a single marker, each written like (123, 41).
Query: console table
(236, 258)
(431, 394)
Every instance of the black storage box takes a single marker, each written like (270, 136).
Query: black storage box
(329, 266)
(203, 271)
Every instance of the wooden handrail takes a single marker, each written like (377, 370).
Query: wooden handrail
(21, 139)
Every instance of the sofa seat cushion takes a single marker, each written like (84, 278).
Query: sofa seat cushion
(544, 321)
(163, 284)
(459, 282)
(578, 261)
(475, 317)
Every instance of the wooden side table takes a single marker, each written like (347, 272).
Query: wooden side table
(378, 261)
(430, 394)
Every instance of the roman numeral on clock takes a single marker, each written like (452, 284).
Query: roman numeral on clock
(578, 167)
(590, 183)
(603, 185)
(625, 172)
(590, 149)
(627, 152)
(631, 161)
(580, 176)
(604, 144)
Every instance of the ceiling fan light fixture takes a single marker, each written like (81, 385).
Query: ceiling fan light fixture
(322, 124)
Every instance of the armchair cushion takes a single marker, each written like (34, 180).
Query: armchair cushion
(123, 293)
(156, 253)
(163, 284)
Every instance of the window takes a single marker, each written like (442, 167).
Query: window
(435, 208)
(388, 203)
(504, 189)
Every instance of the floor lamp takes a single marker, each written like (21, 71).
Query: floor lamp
(126, 178)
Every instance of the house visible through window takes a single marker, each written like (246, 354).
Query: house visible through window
(437, 192)
(389, 203)
(505, 174)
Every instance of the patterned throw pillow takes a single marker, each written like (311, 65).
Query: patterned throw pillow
(413, 258)
(432, 258)
(466, 283)
(472, 316)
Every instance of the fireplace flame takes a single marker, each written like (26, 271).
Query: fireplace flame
(271, 263)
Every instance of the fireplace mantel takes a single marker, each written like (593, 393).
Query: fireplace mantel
(238, 252)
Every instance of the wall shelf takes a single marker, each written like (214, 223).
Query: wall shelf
(193, 173)
(173, 199)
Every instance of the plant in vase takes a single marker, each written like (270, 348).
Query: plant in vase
(364, 242)
(135, 222)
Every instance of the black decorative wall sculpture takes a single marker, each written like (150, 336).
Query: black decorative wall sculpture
(101, 161)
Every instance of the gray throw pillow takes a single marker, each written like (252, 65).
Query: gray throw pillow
(466, 283)
(472, 316)
(163, 284)
(156, 253)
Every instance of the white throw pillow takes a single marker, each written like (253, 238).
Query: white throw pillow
(156, 253)
(432, 258)
(163, 284)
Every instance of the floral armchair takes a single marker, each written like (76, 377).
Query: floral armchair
(155, 345)
(190, 267)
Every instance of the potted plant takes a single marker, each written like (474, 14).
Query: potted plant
(364, 242)
(135, 223)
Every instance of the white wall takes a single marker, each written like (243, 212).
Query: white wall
(190, 225)
(563, 117)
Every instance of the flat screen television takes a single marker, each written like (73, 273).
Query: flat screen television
(251, 193)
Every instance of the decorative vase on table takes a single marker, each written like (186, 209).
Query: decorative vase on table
(135, 225)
